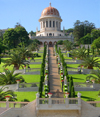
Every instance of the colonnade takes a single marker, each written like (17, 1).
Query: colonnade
(50, 23)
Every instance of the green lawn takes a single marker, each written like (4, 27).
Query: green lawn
(11, 67)
(65, 57)
(25, 95)
(79, 77)
(31, 78)
(35, 66)
(73, 65)
(89, 95)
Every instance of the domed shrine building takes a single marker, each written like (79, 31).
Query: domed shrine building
(50, 27)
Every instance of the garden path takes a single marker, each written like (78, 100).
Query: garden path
(54, 77)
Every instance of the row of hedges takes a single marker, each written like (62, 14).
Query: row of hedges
(42, 72)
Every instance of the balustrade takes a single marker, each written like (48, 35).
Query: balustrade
(8, 104)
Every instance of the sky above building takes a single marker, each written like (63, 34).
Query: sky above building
(28, 12)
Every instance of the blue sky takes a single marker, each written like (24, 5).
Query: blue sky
(27, 12)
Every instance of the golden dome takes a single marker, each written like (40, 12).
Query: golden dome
(50, 11)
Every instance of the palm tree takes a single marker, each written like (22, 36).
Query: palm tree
(6, 93)
(24, 52)
(67, 45)
(96, 75)
(9, 77)
(91, 62)
(16, 59)
(79, 53)
(34, 46)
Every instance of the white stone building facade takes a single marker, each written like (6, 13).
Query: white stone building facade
(50, 27)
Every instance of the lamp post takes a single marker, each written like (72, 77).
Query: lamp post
(24, 69)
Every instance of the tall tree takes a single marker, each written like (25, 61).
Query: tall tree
(10, 38)
(22, 35)
(96, 43)
(81, 29)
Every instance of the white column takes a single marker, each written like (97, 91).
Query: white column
(42, 24)
(48, 24)
(50, 104)
(52, 23)
(67, 102)
(45, 23)
(55, 25)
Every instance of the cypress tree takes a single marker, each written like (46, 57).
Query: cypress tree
(70, 86)
(88, 50)
(72, 92)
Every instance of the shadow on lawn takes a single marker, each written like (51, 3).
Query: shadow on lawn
(88, 98)
(77, 78)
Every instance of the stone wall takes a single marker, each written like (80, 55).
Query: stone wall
(58, 113)
(89, 111)
(26, 111)
(29, 110)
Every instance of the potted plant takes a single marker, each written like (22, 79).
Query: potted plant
(7, 97)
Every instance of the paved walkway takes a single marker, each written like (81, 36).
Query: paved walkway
(54, 77)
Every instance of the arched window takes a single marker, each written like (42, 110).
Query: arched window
(46, 23)
(53, 34)
(50, 23)
(53, 23)
(50, 34)
(47, 34)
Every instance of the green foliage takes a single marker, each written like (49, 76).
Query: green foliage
(96, 43)
(72, 92)
(9, 77)
(16, 59)
(91, 62)
(60, 42)
(81, 29)
(14, 37)
(7, 93)
(95, 34)
(68, 31)
(88, 50)
(86, 39)
(32, 33)
(79, 53)
(95, 75)
(67, 45)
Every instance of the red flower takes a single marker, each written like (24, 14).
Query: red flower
(24, 66)
(18, 80)
(49, 93)
(66, 93)
(62, 80)
(61, 73)
(7, 96)
(82, 65)
(6, 69)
